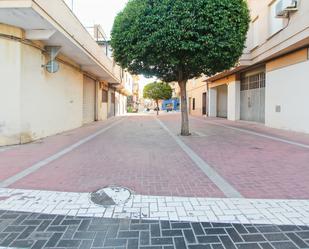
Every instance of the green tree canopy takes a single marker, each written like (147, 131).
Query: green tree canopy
(158, 91)
(176, 40)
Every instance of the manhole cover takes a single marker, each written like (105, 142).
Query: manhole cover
(110, 196)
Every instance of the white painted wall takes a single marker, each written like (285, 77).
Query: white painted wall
(110, 105)
(10, 60)
(289, 88)
(212, 99)
(222, 101)
(33, 102)
(117, 104)
(233, 101)
(121, 104)
(51, 103)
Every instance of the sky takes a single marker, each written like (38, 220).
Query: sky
(102, 12)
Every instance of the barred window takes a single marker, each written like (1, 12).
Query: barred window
(253, 82)
(244, 85)
(262, 80)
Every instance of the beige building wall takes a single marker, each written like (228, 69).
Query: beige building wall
(280, 45)
(36, 103)
(269, 37)
(287, 91)
(195, 90)
(51, 103)
(102, 106)
(224, 99)
(10, 64)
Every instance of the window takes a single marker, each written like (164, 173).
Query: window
(193, 104)
(255, 33)
(253, 82)
(113, 98)
(244, 85)
(275, 24)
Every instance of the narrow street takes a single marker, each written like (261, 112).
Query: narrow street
(237, 185)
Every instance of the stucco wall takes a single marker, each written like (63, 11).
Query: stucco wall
(222, 104)
(51, 103)
(33, 102)
(10, 61)
(110, 105)
(293, 30)
(121, 104)
(233, 101)
(102, 107)
(195, 89)
(288, 88)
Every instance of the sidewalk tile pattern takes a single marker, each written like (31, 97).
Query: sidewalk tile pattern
(250, 211)
(33, 230)
(138, 154)
(255, 166)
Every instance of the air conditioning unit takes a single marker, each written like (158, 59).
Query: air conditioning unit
(284, 7)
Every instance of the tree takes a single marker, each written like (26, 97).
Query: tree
(158, 91)
(177, 40)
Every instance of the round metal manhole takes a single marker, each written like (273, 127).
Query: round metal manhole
(110, 196)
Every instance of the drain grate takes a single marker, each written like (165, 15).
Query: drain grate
(110, 196)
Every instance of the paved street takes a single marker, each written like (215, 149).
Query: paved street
(227, 185)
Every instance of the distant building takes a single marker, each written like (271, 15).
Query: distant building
(197, 96)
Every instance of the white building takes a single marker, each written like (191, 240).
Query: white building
(270, 85)
(35, 103)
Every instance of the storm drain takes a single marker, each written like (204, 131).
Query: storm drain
(110, 196)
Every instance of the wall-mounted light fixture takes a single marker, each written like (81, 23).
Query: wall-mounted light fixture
(52, 65)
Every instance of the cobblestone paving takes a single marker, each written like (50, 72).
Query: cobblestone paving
(31, 230)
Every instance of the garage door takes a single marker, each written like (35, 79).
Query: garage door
(252, 98)
(222, 101)
(88, 100)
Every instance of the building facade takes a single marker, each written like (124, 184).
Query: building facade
(54, 76)
(270, 83)
(197, 96)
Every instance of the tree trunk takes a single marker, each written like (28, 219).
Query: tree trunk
(184, 108)
(157, 101)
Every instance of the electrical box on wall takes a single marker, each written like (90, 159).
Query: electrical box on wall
(285, 7)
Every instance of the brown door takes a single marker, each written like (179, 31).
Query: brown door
(204, 103)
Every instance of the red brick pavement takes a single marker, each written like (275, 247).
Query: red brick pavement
(137, 154)
(257, 167)
(19, 158)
